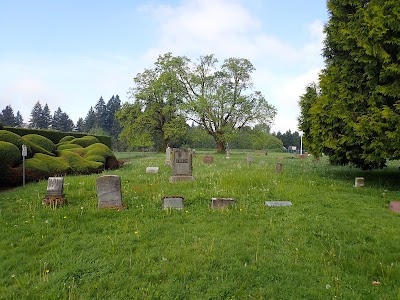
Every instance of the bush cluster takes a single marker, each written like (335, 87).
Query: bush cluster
(82, 155)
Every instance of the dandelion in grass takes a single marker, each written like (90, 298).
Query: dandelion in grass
(327, 286)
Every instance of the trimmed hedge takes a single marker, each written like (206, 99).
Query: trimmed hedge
(37, 149)
(80, 165)
(56, 136)
(41, 141)
(85, 141)
(68, 146)
(10, 155)
(15, 139)
(42, 166)
(66, 138)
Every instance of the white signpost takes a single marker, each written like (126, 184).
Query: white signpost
(24, 153)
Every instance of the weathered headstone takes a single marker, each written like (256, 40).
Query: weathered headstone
(228, 151)
(302, 156)
(152, 170)
(208, 159)
(109, 192)
(220, 203)
(55, 192)
(181, 166)
(172, 202)
(359, 182)
(168, 156)
(249, 159)
(278, 168)
(278, 203)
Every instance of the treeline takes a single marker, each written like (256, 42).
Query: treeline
(101, 120)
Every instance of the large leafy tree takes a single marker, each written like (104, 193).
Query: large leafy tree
(153, 119)
(220, 99)
(355, 116)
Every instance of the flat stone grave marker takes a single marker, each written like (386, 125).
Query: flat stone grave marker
(302, 156)
(172, 202)
(220, 203)
(359, 182)
(152, 170)
(109, 192)
(395, 206)
(278, 203)
(181, 166)
(54, 194)
(208, 159)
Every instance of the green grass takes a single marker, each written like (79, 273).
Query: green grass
(331, 244)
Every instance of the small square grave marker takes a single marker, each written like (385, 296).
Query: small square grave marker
(172, 202)
(168, 156)
(152, 170)
(220, 203)
(249, 159)
(54, 195)
(208, 159)
(359, 182)
(109, 192)
(278, 203)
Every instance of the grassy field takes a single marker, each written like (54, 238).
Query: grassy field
(335, 242)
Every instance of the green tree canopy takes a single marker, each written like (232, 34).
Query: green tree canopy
(355, 114)
(220, 99)
(7, 117)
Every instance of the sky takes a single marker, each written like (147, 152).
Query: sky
(69, 53)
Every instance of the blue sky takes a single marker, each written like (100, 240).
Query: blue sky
(68, 53)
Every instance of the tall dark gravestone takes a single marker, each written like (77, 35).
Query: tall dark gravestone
(181, 165)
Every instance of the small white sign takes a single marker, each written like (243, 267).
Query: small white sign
(24, 151)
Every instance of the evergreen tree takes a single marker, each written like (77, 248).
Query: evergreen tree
(61, 121)
(100, 110)
(112, 124)
(19, 121)
(80, 124)
(90, 120)
(45, 119)
(7, 116)
(356, 115)
(36, 115)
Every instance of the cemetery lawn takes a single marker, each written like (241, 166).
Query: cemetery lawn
(335, 242)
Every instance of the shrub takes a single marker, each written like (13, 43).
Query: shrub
(97, 158)
(42, 166)
(80, 165)
(10, 176)
(13, 138)
(38, 149)
(85, 141)
(67, 146)
(10, 155)
(66, 138)
(41, 141)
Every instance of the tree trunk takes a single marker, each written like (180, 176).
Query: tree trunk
(220, 147)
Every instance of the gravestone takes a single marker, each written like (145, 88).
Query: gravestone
(172, 202)
(168, 156)
(152, 170)
(208, 159)
(395, 206)
(181, 165)
(109, 192)
(359, 182)
(278, 203)
(221, 203)
(54, 195)
(278, 168)
(228, 151)
(249, 159)
(302, 156)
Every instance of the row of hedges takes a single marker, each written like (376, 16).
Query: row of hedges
(56, 136)
(72, 155)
